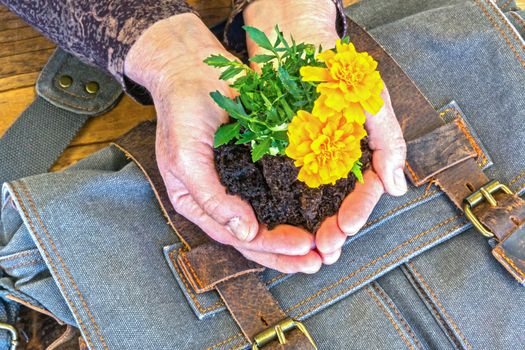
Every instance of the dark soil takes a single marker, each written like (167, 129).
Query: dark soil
(271, 187)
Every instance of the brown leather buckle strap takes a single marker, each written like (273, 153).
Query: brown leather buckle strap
(208, 265)
(445, 154)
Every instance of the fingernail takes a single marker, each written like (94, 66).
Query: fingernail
(400, 180)
(239, 228)
(331, 258)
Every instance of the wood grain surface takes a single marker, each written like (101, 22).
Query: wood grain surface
(23, 53)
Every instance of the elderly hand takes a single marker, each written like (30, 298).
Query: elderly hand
(313, 21)
(168, 60)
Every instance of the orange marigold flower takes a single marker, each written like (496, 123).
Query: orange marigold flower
(325, 150)
(349, 84)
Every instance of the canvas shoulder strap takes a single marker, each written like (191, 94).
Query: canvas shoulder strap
(69, 92)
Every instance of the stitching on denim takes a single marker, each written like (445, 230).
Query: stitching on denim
(505, 4)
(437, 315)
(19, 255)
(394, 308)
(518, 17)
(380, 269)
(59, 279)
(384, 267)
(390, 318)
(495, 25)
(443, 310)
(370, 263)
(224, 342)
(22, 264)
(507, 23)
(66, 270)
(500, 251)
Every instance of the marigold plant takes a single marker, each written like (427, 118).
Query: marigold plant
(349, 83)
(305, 103)
(325, 151)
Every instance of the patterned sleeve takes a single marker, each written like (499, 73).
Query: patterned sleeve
(99, 32)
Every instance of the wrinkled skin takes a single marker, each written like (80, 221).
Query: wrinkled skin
(167, 60)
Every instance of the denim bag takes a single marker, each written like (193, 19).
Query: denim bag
(91, 246)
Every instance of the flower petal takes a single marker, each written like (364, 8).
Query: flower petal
(315, 74)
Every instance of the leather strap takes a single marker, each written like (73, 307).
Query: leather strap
(445, 154)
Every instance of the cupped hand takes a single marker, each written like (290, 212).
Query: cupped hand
(313, 21)
(168, 60)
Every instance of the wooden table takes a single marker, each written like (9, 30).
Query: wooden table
(23, 53)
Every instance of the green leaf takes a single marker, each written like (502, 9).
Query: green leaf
(280, 135)
(226, 133)
(259, 37)
(288, 83)
(260, 149)
(356, 170)
(281, 38)
(246, 137)
(218, 61)
(230, 73)
(262, 58)
(234, 108)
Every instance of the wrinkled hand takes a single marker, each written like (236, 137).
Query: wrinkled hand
(168, 60)
(313, 21)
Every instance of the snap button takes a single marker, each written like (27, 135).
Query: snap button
(92, 87)
(65, 81)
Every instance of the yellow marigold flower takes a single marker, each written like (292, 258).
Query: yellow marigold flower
(325, 151)
(349, 84)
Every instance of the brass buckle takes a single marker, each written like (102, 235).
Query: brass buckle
(484, 193)
(277, 332)
(14, 334)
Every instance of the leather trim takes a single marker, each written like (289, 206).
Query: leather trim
(438, 150)
(210, 264)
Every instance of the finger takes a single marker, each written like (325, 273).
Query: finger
(195, 168)
(329, 237)
(358, 205)
(308, 263)
(388, 144)
(283, 239)
(329, 259)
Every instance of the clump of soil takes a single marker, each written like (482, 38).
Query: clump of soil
(271, 187)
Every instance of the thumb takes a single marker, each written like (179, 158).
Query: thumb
(388, 146)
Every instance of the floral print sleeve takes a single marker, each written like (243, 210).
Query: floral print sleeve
(98, 32)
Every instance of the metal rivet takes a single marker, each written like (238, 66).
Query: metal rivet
(92, 87)
(65, 81)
